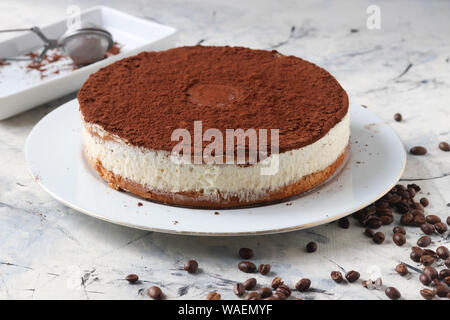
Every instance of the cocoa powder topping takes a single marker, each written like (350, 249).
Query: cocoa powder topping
(144, 98)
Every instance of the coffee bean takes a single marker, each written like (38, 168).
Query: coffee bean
(430, 272)
(416, 253)
(247, 266)
(272, 297)
(426, 260)
(401, 269)
(414, 186)
(426, 280)
(441, 290)
(447, 262)
(433, 219)
(352, 276)
(427, 228)
(418, 220)
(249, 284)
(417, 212)
(392, 293)
(264, 269)
(406, 219)
(265, 292)
(440, 227)
(191, 266)
(239, 289)
(418, 150)
(155, 293)
(245, 253)
(412, 192)
(386, 220)
(443, 252)
(254, 295)
(337, 276)
(398, 117)
(448, 219)
(311, 246)
(369, 232)
(447, 280)
(399, 239)
(384, 211)
(279, 296)
(378, 237)
(283, 289)
(303, 285)
(424, 202)
(424, 241)
(344, 223)
(427, 294)
(444, 273)
(399, 230)
(132, 278)
(395, 199)
(374, 223)
(213, 296)
(276, 282)
(418, 206)
(444, 146)
(429, 252)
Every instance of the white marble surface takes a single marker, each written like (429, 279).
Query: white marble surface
(50, 251)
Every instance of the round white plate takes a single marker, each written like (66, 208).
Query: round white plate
(54, 155)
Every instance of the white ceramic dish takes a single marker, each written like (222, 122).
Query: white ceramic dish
(54, 155)
(22, 89)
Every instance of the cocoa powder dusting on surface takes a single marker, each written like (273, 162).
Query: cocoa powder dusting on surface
(144, 98)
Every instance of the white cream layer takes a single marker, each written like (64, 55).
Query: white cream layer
(156, 170)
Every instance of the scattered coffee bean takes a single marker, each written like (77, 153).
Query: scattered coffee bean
(337, 276)
(416, 253)
(419, 206)
(406, 219)
(303, 285)
(239, 289)
(254, 295)
(132, 278)
(440, 227)
(247, 266)
(443, 252)
(444, 273)
(284, 290)
(264, 269)
(447, 262)
(191, 266)
(374, 223)
(276, 282)
(448, 219)
(418, 220)
(378, 237)
(399, 230)
(417, 212)
(369, 232)
(213, 296)
(245, 253)
(433, 219)
(155, 293)
(426, 260)
(427, 294)
(424, 202)
(384, 211)
(352, 276)
(265, 292)
(430, 272)
(424, 241)
(311, 246)
(398, 117)
(249, 284)
(427, 228)
(401, 269)
(447, 280)
(414, 186)
(444, 146)
(386, 220)
(441, 290)
(279, 296)
(399, 239)
(418, 151)
(425, 279)
(392, 293)
(344, 223)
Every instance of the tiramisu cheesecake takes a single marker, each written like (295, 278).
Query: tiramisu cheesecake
(136, 113)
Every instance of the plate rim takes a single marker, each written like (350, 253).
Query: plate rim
(217, 234)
